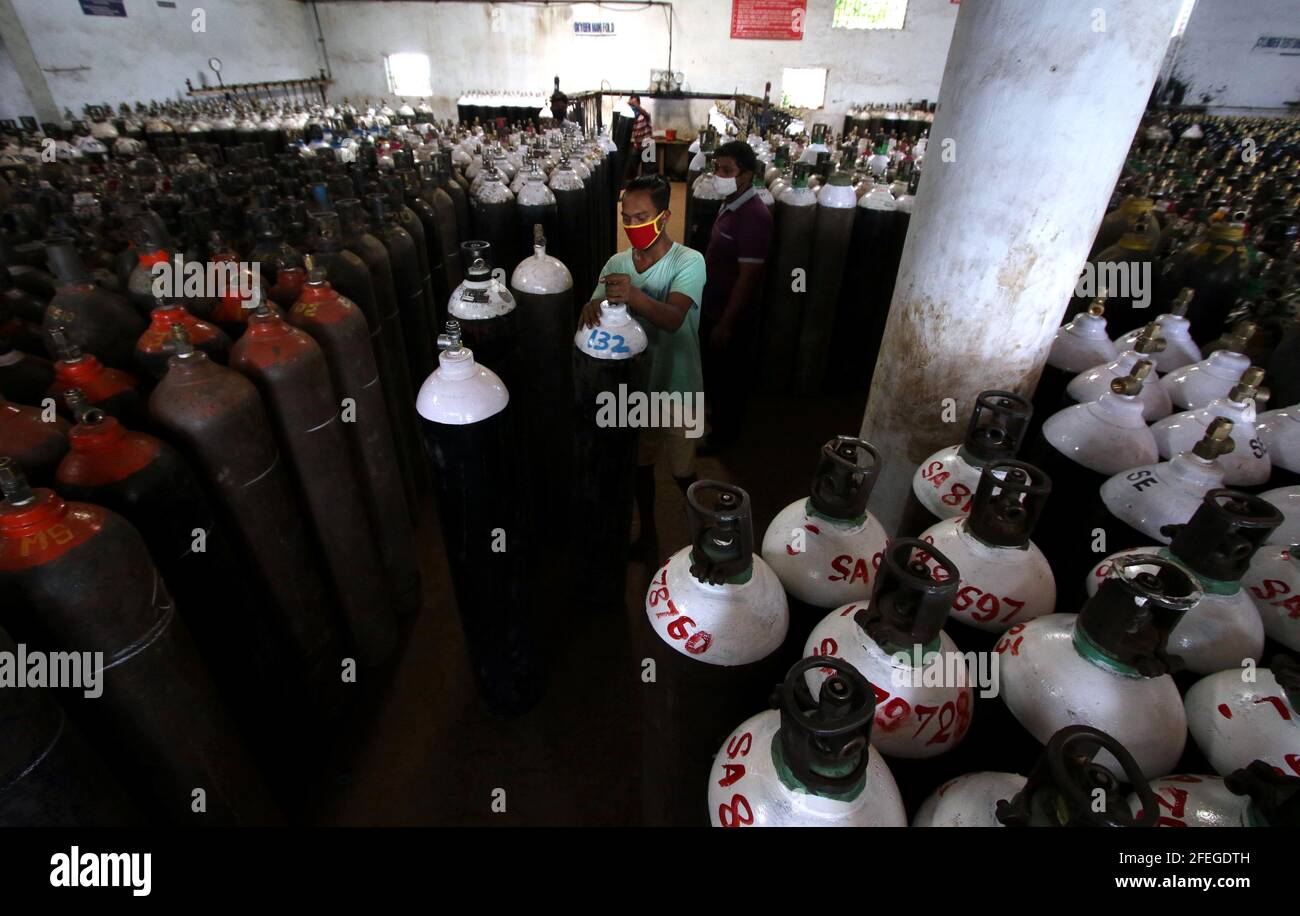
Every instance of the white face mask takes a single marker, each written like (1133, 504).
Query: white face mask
(724, 186)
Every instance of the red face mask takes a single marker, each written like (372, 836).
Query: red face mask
(643, 235)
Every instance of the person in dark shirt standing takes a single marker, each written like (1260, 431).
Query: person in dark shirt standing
(559, 102)
(738, 249)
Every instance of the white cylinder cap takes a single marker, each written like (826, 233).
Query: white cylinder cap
(617, 336)
(460, 391)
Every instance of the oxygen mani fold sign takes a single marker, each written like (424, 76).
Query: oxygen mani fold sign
(774, 20)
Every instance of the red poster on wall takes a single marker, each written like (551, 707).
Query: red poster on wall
(779, 20)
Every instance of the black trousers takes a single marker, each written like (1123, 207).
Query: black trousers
(728, 375)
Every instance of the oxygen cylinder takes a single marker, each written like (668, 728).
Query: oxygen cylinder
(1199, 383)
(716, 618)
(1140, 504)
(945, 482)
(1256, 796)
(112, 390)
(1097, 667)
(1273, 581)
(864, 298)
(417, 330)
(149, 236)
(215, 414)
(1079, 449)
(1216, 276)
(94, 319)
(465, 415)
(447, 235)
(51, 777)
(796, 217)
(892, 639)
(832, 232)
(570, 241)
(1005, 579)
(369, 284)
(809, 762)
(1287, 500)
(458, 192)
(485, 312)
(543, 289)
(1062, 790)
(409, 220)
(537, 207)
(826, 548)
(151, 352)
(607, 359)
(1078, 345)
(290, 371)
(23, 377)
(1215, 546)
(494, 218)
(1130, 293)
(289, 280)
(1278, 432)
(1092, 384)
(158, 709)
(35, 445)
(706, 201)
(1248, 463)
(1179, 350)
(1135, 213)
(338, 326)
(1235, 721)
(413, 197)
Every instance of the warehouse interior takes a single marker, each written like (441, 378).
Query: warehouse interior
(442, 413)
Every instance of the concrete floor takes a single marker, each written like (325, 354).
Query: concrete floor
(423, 750)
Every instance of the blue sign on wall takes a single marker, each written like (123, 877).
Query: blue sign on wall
(104, 7)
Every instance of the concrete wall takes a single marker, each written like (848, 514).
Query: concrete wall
(13, 97)
(1219, 64)
(150, 53)
(516, 47)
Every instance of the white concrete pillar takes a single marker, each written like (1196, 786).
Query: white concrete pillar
(28, 67)
(1039, 103)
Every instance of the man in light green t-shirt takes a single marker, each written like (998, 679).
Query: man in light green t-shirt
(661, 283)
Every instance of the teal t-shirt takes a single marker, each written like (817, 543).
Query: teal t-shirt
(674, 356)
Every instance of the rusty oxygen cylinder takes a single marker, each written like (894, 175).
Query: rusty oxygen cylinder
(217, 417)
(289, 369)
(35, 444)
(339, 327)
(24, 377)
(148, 483)
(93, 318)
(115, 392)
(78, 578)
(49, 775)
(151, 350)
(369, 284)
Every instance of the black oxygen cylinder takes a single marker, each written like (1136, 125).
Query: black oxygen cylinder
(35, 445)
(705, 204)
(715, 620)
(607, 359)
(438, 289)
(23, 377)
(469, 432)
(868, 285)
(340, 328)
(459, 197)
(290, 371)
(832, 233)
(494, 219)
(417, 333)
(448, 236)
(536, 207)
(573, 230)
(355, 278)
(94, 319)
(78, 578)
(49, 775)
(488, 319)
(796, 218)
(217, 417)
(543, 292)
(410, 221)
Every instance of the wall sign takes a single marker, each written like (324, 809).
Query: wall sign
(1278, 44)
(593, 28)
(104, 8)
(774, 20)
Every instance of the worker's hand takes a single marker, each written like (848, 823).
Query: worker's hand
(617, 287)
(590, 316)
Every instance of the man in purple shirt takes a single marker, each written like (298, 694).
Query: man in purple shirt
(738, 249)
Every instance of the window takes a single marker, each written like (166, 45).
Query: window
(803, 87)
(869, 14)
(1184, 14)
(408, 74)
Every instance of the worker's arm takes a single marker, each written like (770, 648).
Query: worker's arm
(667, 315)
(747, 280)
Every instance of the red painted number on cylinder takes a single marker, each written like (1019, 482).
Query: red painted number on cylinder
(739, 745)
(736, 814)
